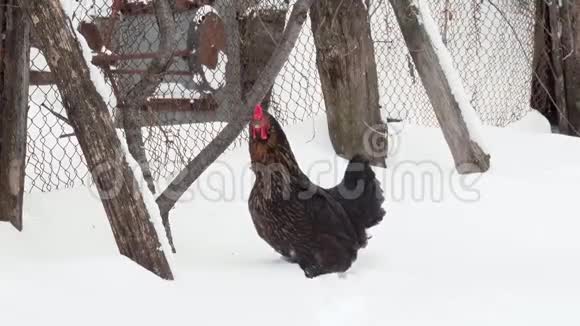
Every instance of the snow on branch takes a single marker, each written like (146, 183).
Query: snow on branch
(458, 91)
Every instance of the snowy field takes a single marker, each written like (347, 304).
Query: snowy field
(495, 249)
(499, 249)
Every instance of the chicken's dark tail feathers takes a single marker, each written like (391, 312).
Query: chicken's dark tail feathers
(361, 195)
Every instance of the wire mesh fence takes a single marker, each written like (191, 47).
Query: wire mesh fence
(491, 43)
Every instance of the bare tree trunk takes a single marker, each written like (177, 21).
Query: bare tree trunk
(15, 26)
(345, 58)
(468, 155)
(571, 46)
(557, 63)
(124, 205)
(556, 79)
(542, 79)
(241, 112)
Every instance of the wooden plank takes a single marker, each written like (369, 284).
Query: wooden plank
(160, 112)
(103, 59)
(13, 114)
(180, 105)
(142, 8)
(144, 72)
(169, 112)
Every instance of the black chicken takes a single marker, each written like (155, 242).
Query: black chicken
(319, 229)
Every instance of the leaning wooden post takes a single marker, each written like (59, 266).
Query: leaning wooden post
(137, 228)
(13, 110)
(434, 65)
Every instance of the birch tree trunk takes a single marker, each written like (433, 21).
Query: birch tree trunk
(14, 82)
(345, 58)
(467, 154)
(124, 205)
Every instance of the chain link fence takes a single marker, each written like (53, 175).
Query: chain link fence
(491, 42)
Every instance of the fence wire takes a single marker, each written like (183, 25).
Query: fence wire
(494, 62)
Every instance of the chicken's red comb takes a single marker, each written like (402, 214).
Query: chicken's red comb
(258, 112)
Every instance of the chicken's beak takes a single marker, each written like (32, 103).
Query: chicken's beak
(264, 133)
(255, 127)
(259, 131)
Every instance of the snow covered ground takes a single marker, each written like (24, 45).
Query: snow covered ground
(497, 249)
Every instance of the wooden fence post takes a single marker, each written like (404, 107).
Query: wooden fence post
(345, 58)
(14, 80)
